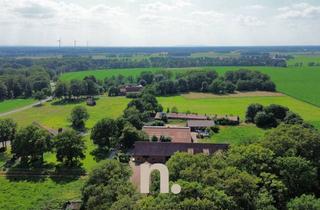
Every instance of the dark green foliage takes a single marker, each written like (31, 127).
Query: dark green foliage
(61, 90)
(69, 147)
(278, 111)
(265, 120)
(79, 115)
(304, 202)
(3, 91)
(114, 91)
(7, 131)
(252, 111)
(297, 174)
(165, 139)
(108, 187)
(31, 143)
(129, 136)
(104, 133)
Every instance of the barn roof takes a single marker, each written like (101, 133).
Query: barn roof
(200, 123)
(177, 134)
(166, 149)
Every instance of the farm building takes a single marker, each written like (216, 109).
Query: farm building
(180, 116)
(160, 152)
(90, 101)
(130, 89)
(177, 134)
(200, 124)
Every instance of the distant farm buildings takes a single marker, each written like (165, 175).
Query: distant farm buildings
(133, 89)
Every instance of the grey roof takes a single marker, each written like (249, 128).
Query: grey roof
(200, 123)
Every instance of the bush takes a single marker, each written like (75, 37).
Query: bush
(265, 120)
(252, 111)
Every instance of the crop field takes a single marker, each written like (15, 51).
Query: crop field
(9, 105)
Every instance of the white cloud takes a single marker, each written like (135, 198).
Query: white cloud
(254, 7)
(245, 20)
(299, 11)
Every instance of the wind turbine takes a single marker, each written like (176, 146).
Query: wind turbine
(59, 41)
(74, 43)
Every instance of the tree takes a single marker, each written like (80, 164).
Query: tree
(61, 90)
(252, 111)
(254, 159)
(278, 111)
(108, 185)
(3, 91)
(174, 110)
(129, 136)
(69, 147)
(304, 202)
(292, 118)
(79, 115)
(218, 86)
(31, 143)
(7, 131)
(76, 88)
(204, 87)
(265, 120)
(297, 174)
(294, 140)
(147, 76)
(133, 116)
(114, 91)
(104, 132)
(39, 96)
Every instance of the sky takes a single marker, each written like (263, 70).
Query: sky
(159, 22)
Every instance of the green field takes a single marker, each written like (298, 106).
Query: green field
(56, 116)
(291, 80)
(47, 194)
(304, 59)
(9, 105)
(237, 106)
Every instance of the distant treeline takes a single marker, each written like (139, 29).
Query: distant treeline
(68, 64)
(163, 83)
(24, 83)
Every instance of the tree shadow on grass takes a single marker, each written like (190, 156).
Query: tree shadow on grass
(28, 172)
(64, 174)
(71, 101)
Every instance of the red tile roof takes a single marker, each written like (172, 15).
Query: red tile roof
(177, 134)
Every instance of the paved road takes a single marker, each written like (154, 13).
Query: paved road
(25, 107)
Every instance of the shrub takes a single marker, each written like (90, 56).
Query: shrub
(265, 120)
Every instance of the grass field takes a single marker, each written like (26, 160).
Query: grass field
(304, 59)
(237, 106)
(9, 105)
(47, 194)
(56, 116)
(236, 134)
